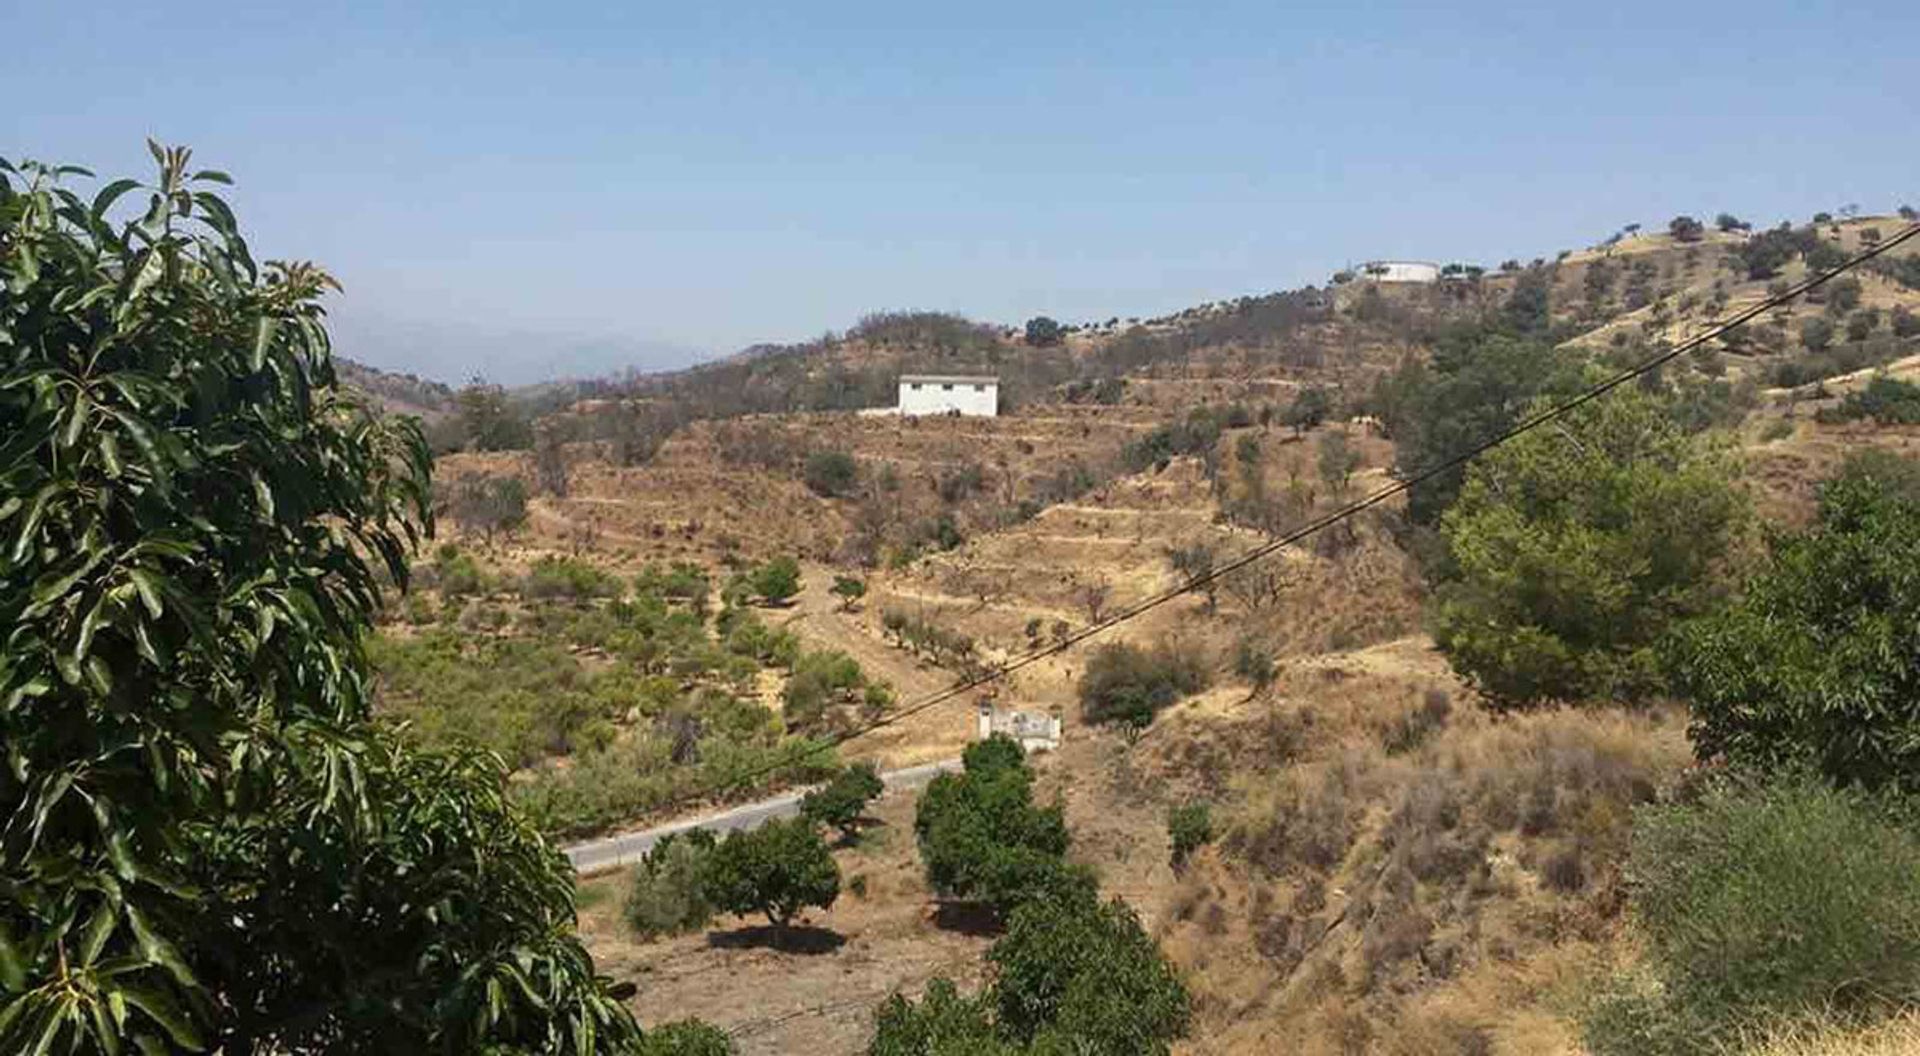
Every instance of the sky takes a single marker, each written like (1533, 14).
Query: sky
(565, 189)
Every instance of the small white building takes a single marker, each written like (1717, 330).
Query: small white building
(1399, 271)
(1034, 732)
(969, 394)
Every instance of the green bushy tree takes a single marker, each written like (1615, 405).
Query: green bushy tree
(1083, 977)
(775, 581)
(669, 890)
(1129, 685)
(840, 804)
(778, 869)
(686, 1037)
(982, 838)
(830, 473)
(211, 845)
(1818, 661)
(1043, 332)
(1477, 385)
(1576, 546)
(849, 589)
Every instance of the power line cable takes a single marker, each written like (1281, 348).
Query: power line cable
(1352, 509)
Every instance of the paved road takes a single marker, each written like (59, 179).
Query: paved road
(607, 852)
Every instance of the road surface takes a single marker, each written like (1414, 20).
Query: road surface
(609, 852)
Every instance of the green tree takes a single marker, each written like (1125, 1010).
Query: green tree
(1086, 978)
(1576, 546)
(776, 581)
(944, 1023)
(778, 869)
(1816, 333)
(212, 845)
(1309, 408)
(849, 589)
(844, 799)
(830, 473)
(1686, 229)
(1043, 332)
(1130, 685)
(1476, 387)
(1818, 661)
(981, 837)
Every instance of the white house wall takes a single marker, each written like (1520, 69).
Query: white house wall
(936, 397)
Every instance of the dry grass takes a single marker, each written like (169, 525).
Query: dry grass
(1898, 1036)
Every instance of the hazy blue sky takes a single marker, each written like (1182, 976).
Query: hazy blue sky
(559, 187)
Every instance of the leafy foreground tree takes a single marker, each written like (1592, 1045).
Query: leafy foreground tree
(207, 843)
(1070, 976)
(1576, 546)
(1818, 662)
(841, 802)
(777, 869)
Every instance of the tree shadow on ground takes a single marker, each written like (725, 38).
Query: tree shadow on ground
(800, 938)
(973, 919)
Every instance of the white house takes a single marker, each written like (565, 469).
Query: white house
(1399, 271)
(970, 394)
(1034, 732)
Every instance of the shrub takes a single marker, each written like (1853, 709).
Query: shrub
(682, 581)
(1815, 662)
(1816, 333)
(669, 892)
(821, 680)
(687, 1037)
(1887, 400)
(1686, 229)
(1767, 901)
(568, 577)
(849, 590)
(775, 581)
(830, 473)
(1189, 827)
(1575, 548)
(1126, 684)
(777, 869)
(840, 804)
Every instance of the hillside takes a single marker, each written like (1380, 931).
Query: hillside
(1398, 868)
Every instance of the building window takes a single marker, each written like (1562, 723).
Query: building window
(915, 386)
(947, 387)
(979, 388)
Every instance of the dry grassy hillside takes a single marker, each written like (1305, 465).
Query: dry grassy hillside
(1398, 870)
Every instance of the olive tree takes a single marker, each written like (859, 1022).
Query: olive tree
(210, 844)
